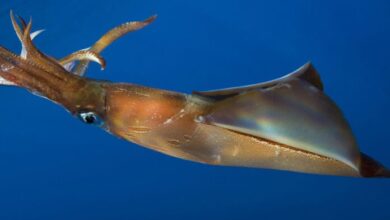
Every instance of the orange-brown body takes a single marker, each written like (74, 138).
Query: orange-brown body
(171, 123)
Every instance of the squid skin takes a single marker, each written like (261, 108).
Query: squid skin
(285, 124)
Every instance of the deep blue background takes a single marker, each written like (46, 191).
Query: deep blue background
(54, 167)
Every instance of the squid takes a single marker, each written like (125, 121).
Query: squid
(285, 124)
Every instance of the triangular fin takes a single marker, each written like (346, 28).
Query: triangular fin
(295, 114)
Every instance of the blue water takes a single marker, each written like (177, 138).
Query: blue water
(54, 167)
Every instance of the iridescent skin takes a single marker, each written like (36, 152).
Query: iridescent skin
(286, 124)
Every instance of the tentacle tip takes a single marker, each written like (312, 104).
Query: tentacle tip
(12, 14)
(151, 19)
(12, 17)
(103, 64)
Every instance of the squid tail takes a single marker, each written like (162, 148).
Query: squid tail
(371, 168)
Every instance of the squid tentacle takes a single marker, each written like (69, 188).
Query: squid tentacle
(30, 52)
(68, 63)
(108, 38)
(23, 52)
(20, 30)
(88, 55)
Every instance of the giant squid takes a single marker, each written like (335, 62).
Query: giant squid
(286, 124)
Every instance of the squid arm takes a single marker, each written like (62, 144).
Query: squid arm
(287, 124)
(105, 41)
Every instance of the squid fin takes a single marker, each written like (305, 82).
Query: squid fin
(307, 73)
(292, 111)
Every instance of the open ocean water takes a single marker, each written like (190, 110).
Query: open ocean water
(54, 167)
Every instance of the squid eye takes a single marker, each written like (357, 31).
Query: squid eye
(90, 118)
